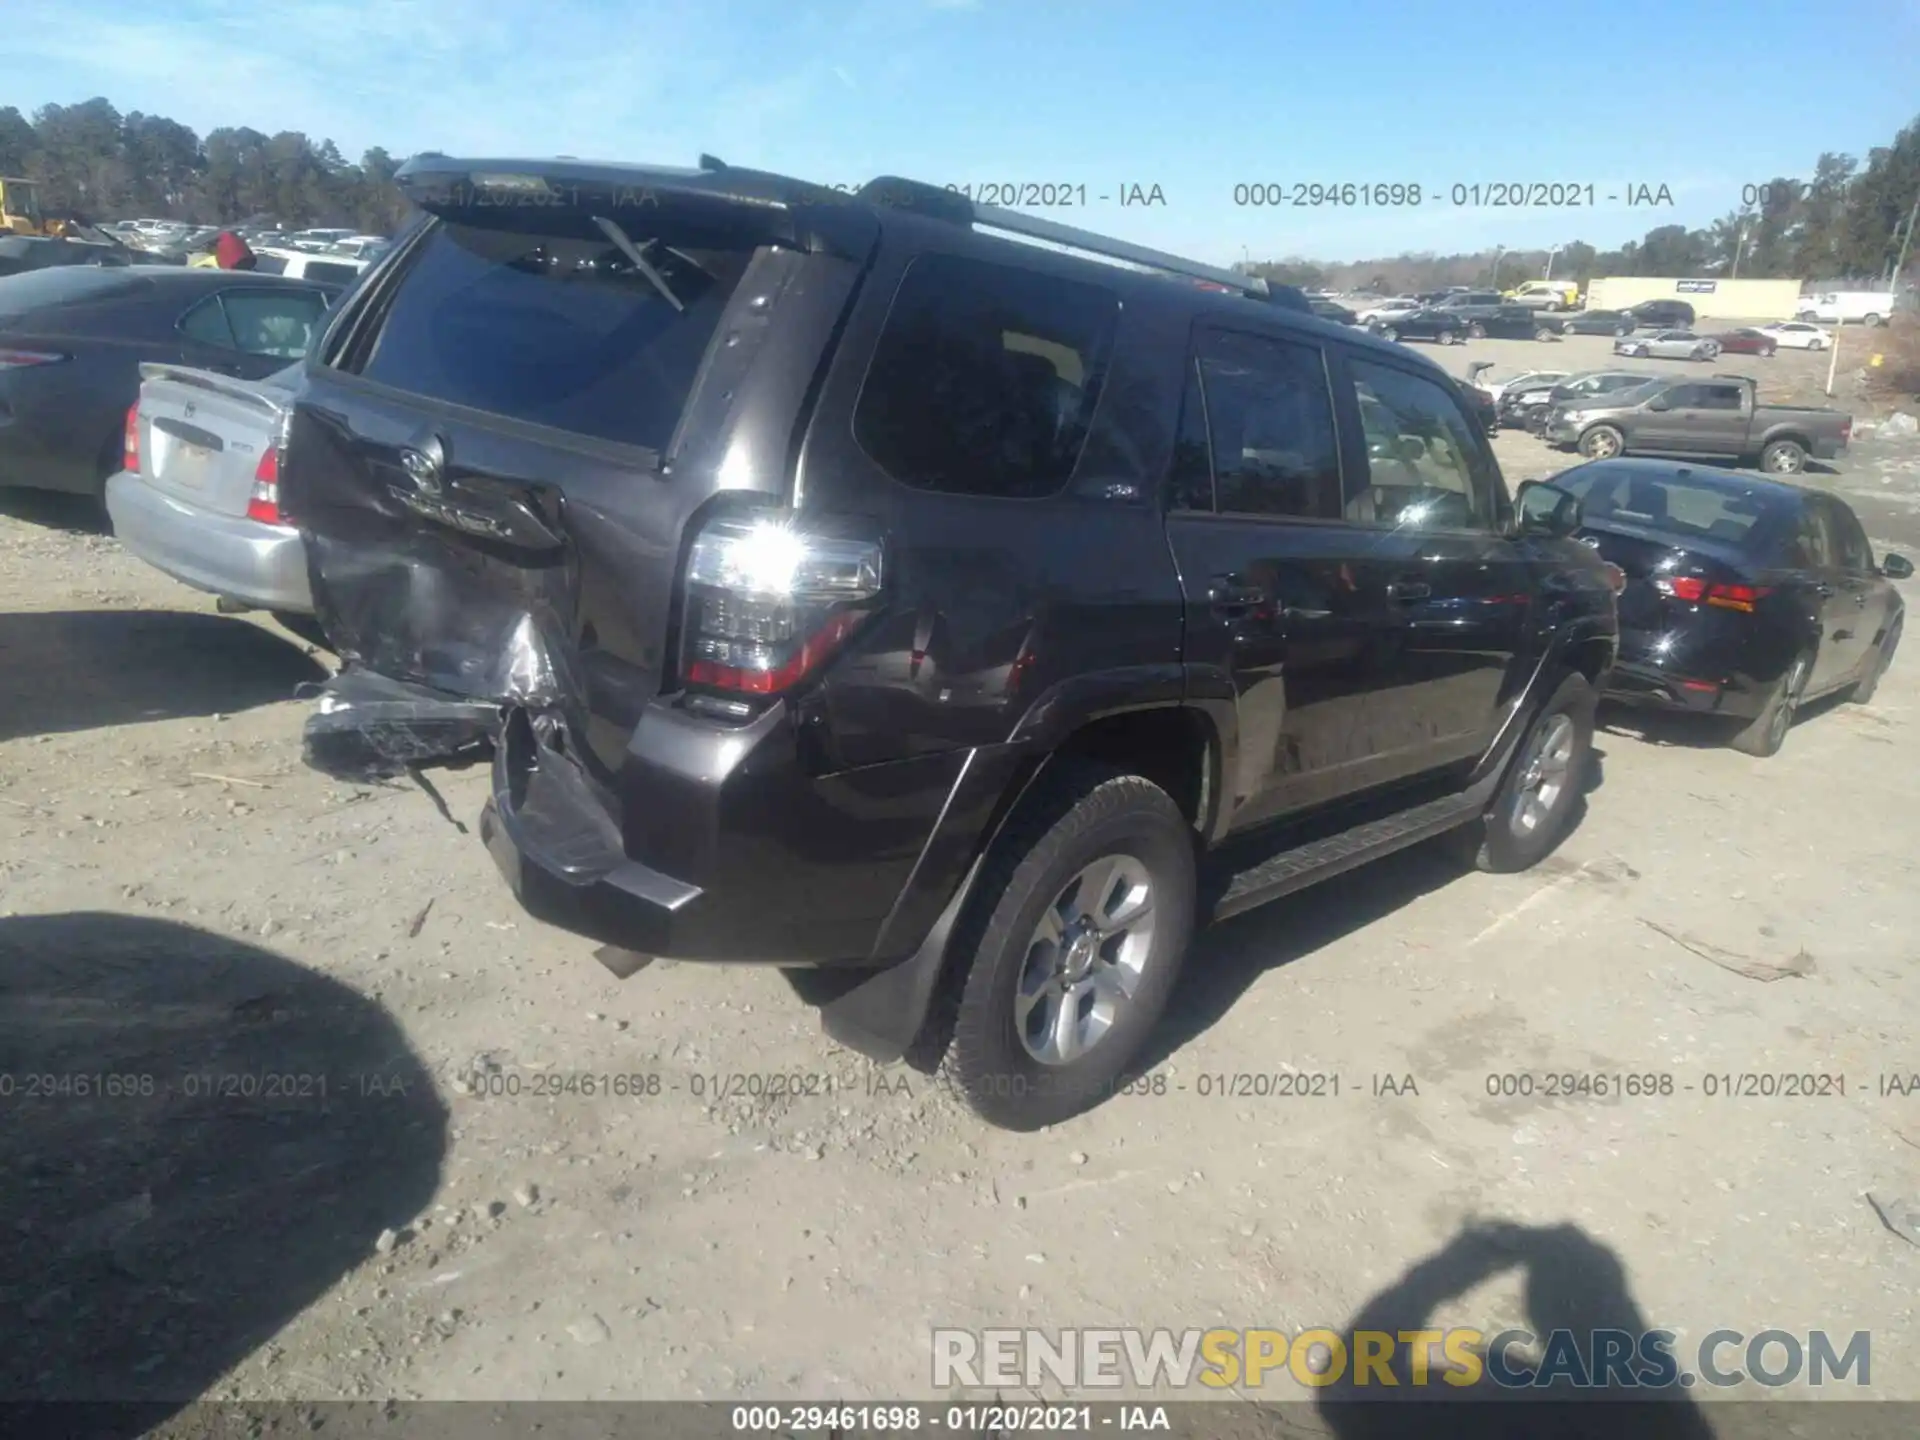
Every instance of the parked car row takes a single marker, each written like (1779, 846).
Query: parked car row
(695, 516)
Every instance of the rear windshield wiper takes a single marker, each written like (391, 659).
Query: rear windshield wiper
(627, 248)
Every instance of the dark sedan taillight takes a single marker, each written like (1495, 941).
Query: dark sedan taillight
(28, 359)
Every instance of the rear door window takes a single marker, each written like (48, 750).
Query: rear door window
(1851, 550)
(985, 378)
(1270, 419)
(559, 329)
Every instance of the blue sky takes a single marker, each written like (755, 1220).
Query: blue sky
(1195, 98)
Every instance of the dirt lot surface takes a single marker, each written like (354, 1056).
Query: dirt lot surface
(358, 1159)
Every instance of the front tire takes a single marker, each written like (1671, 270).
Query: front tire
(1763, 736)
(1387, 332)
(1446, 337)
(1477, 331)
(1872, 320)
(1767, 352)
(1602, 442)
(1545, 332)
(1092, 895)
(1784, 457)
(1543, 785)
(1816, 344)
(1862, 691)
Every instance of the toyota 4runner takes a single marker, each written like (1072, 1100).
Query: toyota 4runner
(853, 585)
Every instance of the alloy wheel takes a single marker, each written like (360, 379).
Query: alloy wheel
(1546, 771)
(1086, 960)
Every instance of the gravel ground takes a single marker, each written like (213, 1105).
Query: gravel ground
(358, 1159)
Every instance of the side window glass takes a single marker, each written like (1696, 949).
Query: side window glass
(1425, 470)
(1191, 480)
(1270, 419)
(1814, 547)
(1850, 541)
(1722, 397)
(207, 323)
(985, 378)
(269, 324)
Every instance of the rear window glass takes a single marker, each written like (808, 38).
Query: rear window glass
(560, 330)
(1667, 503)
(985, 378)
(269, 264)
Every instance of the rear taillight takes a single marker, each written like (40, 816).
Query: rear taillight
(130, 450)
(766, 605)
(27, 359)
(264, 503)
(1694, 590)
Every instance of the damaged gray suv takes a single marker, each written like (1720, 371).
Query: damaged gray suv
(850, 584)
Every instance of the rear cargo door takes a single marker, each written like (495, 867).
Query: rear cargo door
(511, 425)
(202, 435)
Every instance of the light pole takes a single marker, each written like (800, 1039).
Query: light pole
(1552, 251)
(1739, 249)
(1498, 251)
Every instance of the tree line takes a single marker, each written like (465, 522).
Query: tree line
(1843, 226)
(92, 161)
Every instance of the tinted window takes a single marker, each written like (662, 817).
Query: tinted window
(1191, 476)
(1665, 502)
(269, 265)
(333, 273)
(1851, 549)
(985, 378)
(555, 329)
(1270, 419)
(1424, 466)
(207, 323)
(1813, 546)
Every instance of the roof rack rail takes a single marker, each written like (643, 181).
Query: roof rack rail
(947, 204)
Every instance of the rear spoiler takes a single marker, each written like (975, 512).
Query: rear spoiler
(255, 393)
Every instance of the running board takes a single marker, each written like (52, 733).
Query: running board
(1302, 865)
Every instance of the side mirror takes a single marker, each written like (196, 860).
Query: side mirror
(1659, 402)
(1541, 508)
(1896, 567)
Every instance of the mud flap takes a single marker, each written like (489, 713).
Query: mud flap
(882, 1016)
(367, 727)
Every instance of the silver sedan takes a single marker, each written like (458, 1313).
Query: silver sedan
(1668, 345)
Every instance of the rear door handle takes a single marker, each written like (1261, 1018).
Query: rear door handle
(1408, 591)
(1230, 595)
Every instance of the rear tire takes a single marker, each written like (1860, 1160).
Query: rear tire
(1767, 352)
(1044, 1027)
(1477, 330)
(1872, 320)
(1387, 332)
(1816, 344)
(1862, 691)
(1763, 736)
(1542, 789)
(1784, 457)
